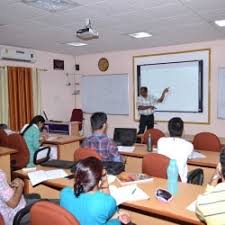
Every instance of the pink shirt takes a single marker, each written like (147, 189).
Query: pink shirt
(6, 193)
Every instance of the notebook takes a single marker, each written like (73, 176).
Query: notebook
(41, 175)
(127, 193)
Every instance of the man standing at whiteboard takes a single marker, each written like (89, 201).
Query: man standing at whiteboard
(146, 106)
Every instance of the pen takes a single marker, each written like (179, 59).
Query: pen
(134, 191)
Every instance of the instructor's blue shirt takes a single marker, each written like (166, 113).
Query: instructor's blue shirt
(90, 208)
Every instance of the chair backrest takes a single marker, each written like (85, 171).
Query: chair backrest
(1, 220)
(156, 134)
(83, 153)
(196, 176)
(77, 115)
(207, 141)
(20, 159)
(3, 138)
(48, 213)
(155, 165)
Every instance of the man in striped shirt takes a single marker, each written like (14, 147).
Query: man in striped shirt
(146, 107)
(211, 205)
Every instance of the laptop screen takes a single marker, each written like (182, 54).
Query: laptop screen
(125, 136)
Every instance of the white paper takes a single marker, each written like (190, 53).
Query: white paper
(192, 206)
(41, 175)
(127, 193)
(55, 174)
(197, 155)
(37, 177)
(111, 178)
(126, 148)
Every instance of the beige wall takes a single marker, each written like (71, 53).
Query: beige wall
(57, 99)
(121, 62)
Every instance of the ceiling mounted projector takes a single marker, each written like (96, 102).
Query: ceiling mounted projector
(87, 33)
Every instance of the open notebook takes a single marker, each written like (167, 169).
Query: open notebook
(127, 193)
(41, 175)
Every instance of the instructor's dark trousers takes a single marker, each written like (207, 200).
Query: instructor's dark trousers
(146, 121)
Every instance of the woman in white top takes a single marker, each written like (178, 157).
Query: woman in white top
(174, 147)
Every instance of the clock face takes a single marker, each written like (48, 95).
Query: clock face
(103, 64)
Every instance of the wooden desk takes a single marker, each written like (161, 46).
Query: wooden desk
(5, 160)
(66, 145)
(145, 212)
(134, 161)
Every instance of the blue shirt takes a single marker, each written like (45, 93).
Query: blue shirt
(104, 146)
(90, 208)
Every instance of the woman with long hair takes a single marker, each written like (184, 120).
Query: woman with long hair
(31, 133)
(89, 200)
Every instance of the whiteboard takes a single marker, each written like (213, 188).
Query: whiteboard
(105, 93)
(183, 81)
(221, 94)
(201, 116)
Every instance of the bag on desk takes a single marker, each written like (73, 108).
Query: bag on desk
(114, 168)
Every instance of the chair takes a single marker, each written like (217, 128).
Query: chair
(196, 176)
(207, 141)
(1, 220)
(156, 134)
(82, 153)
(155, 165)
(20, 159)
(48, 213)
(3, 138)
(77, 115)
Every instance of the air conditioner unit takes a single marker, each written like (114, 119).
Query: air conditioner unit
(17, 54)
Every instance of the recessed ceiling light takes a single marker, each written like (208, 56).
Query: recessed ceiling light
(220, 23)
(52, 5)
(140, 35)
(76, 44)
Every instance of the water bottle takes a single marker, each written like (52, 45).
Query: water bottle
(149, 143)
(172, 177)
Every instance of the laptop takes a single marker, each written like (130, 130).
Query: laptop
(125, 136)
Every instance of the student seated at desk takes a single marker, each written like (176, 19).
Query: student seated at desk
(175, 147)
(31, 134)
(104, 146)
(11, 198)
(89, 200)
(210, 206)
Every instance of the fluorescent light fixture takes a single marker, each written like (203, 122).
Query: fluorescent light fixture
(51, 5)
(140, 35)
(76, 44)
(220, 23)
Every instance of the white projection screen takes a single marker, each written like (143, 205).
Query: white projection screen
(187, 76)
(184, 80)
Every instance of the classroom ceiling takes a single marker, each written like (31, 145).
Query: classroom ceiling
(170, 22)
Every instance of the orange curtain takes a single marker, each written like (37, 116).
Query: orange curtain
(20, 96)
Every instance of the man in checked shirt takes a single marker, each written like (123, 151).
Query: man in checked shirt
(99, 140)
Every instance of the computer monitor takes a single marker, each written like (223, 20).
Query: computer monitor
(125, 136)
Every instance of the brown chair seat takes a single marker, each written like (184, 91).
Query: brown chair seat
(155, 165)
(207, 141)
(83, 153)
(1, 220)
(48, 213)
(156, 134)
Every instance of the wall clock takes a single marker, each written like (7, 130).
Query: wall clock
(103, 64)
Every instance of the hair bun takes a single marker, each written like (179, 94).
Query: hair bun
(78, 189)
